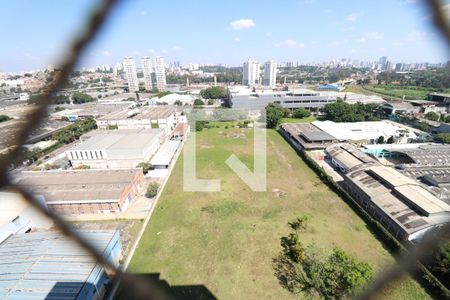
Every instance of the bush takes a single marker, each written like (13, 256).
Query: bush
(443, 138)
(301, 113)
(4, 118)
(198, 102)
(152, 190)
(432, 116)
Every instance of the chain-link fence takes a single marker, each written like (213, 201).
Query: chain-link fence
(136, 286)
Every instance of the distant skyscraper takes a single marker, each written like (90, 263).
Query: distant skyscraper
(130, 71)
(160, 73)
(250, 72)
(147, 70)
(270, 73)
(382, 62)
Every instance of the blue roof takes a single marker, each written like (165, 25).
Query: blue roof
(48, 265)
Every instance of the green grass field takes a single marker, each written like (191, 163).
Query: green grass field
(392, 91)
(226, 240)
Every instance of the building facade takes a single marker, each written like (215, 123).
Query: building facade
(147, 71)
(270, 73)
(77, 192)
(160, 73)
(129, 66)
(251, 72)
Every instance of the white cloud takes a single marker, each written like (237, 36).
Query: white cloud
(374, 35)
(415, 36)
(236, 39)
(409, 1)
(327, 11)
(268, 33)
(106, 53)
(242, 24)
(177, 48)
(290, 44)
(353, 17)
(143, 13)
(397, 44)
(337, 43)
(152, 51)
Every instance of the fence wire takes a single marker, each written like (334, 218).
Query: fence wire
(136, 286)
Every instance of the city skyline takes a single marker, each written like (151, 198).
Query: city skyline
(317, 31)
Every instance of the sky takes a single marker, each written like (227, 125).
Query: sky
(36, 32)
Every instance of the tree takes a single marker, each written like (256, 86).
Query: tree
(178, 103)
(152, 190)
(380, 140)
(447, 119)
(79, 98)
(293, 248)
(210, 102)
(274, 114)
(336, 276)
(301, 113)
(443, 138)
(145, 167)
(214, 92)
(198, 102)
(432, 116)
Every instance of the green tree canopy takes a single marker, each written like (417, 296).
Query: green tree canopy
(214, 92)
(341, 111)
(301, 113)
(79, 98)
(274, 114)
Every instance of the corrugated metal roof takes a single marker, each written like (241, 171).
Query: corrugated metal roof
(48, 265)
(165, 154)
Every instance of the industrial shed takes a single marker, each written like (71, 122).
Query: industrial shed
(165, 155)
(48, 265)
(116, 148)
(85, 191)
(405, 207)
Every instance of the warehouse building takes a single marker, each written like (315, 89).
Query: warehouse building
(320, 134)
(428, 163)
(49, 265)
(404, 206)
(85, 191)
(165, 155)
(164, 117)
(306, 136)
(245, 98)
(116, 148)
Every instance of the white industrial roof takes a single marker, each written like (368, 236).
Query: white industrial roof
(165, 154)
(118, 142)
(357, 131)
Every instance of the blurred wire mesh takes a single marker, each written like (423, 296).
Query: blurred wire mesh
(137, 287)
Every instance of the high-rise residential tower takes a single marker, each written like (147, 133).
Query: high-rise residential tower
(270, 73)
(147, 70)
(250, 72)
(160, 73)
(130, 71)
